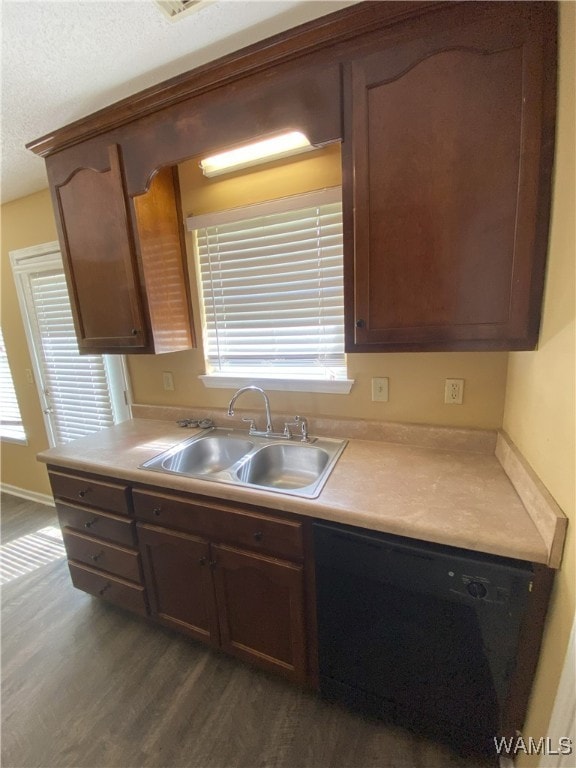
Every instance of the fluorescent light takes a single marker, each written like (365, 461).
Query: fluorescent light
(259, 152)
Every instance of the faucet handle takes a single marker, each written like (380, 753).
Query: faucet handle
(298, 422)
(252, 423)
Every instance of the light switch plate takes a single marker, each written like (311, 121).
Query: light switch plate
(168, 381)
(380, 390)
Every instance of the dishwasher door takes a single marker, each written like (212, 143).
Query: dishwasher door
(423, 635)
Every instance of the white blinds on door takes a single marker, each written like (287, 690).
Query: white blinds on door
(272, 288)
(76, 386)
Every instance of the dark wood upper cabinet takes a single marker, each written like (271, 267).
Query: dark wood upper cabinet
(446, 114)
(124, 259)
(448, 155)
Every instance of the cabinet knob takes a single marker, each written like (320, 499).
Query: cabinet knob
(360, 323)
(90, 523)
(98, 556)
(213, 563)
(134, 331)
(258, 536)
(157, 511)
(84, 492)
(105, 588)
(202, 561)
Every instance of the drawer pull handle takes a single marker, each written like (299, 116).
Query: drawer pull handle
(258, 536)
(213, 563)
(157, 511)
(134, 332)
(90, 523)
(202, 561)
(84, 492)
(98, 556)
(105, 588)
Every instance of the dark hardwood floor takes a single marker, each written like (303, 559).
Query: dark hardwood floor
(86, 685)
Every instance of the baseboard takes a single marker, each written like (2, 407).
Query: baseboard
(22, 493)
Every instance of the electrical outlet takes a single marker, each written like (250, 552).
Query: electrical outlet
(168, 381)
(380, 390)
(454, 391)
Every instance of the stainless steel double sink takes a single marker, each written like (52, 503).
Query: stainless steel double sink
(231, 456)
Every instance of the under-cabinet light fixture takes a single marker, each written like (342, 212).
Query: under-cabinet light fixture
(262, 151)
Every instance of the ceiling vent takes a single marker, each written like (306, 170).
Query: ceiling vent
(177, 9)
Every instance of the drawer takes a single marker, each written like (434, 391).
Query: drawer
(105, 525)
(259, 532)
(112, 497)
(129, 596)
(102, 555)
(174, 512)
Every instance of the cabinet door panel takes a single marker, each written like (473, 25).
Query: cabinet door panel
(450, 156)
(261, 609)
(178, 580)
(100, 260)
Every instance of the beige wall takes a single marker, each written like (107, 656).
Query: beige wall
(25, 222)
(416, 379)
(540, 412)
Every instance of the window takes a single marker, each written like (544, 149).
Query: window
(80, 394)
(11, 427)
(272, 293)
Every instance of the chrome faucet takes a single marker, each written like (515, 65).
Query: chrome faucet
(253, 431)
(269, 431)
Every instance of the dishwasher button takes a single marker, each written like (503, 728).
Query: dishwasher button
(476, 589)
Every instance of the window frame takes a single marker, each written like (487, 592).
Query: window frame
(281, 380)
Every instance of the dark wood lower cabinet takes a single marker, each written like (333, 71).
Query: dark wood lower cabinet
(234, 576)
(261, 610)
(248, 604)
(179, 582)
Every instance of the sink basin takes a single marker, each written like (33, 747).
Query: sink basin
(284, 466)
(207, 455)
(233, 457)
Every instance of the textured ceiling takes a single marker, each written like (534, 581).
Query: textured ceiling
(64, 59)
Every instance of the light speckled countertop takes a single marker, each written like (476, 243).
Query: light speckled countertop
(445, 496)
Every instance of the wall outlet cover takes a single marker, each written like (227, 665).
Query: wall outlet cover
(454, 391)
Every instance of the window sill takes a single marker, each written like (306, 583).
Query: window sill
(326, 386)
(17, 439)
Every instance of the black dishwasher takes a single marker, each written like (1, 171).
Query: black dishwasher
(419, 634)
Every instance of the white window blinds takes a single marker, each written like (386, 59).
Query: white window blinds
(272, 288)
(76, 386)
(75, 390)
(10, 418)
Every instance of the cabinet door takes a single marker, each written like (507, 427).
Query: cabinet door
(448, 154)
(261, 610)
(99, 258)
(179, 582)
